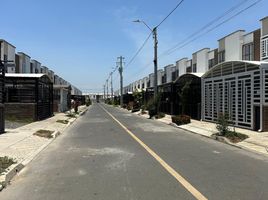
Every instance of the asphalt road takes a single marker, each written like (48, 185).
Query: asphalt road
(97, 158)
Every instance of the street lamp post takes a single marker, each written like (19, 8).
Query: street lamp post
(154, 31)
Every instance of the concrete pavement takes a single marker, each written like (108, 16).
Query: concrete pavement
(20, 143)
(97, 159)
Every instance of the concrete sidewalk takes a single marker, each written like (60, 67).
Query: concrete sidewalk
(20, 143)
(257, 141)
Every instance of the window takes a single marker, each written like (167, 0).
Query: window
(247, 52)
(211, 63)
(221, 56)
(189, 69)
(194, 67)
(264, 48)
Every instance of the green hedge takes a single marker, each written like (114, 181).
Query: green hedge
(181, 119)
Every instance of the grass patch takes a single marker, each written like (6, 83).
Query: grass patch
(5, 162)
(62, 121)
(44, 133)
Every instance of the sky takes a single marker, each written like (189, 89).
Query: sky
(80, 40)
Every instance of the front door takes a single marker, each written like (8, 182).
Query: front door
(257, 118)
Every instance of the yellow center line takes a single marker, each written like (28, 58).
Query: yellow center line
(166, 166)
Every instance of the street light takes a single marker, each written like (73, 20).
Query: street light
(154, 31)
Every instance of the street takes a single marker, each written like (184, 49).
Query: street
(113, 154)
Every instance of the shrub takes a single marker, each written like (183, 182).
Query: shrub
(181, 119)
(160, 115)
(129, 107)
(88, 102)
(223, 123)
(5, 162)
(135, 110)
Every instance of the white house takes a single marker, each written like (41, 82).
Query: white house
(264, 39)
(8, 53)
(200, 61)
(23, 63)
(181, 66)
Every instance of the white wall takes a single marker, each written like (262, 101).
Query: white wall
(181, 66)
(168, 71)
(202, 61)
(160, 73)
(233, 46)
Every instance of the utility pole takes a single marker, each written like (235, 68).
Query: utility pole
(112, 90)
(104, 91)
(155, 61)
(107, 82)
(154, 32)
(120, 69)
(2, 74)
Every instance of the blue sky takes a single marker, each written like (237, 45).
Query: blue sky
(81, 39)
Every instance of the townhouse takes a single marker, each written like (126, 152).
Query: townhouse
(231, 78)
(8, 54)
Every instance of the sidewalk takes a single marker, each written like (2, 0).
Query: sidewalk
(20, 143)
(257, 141)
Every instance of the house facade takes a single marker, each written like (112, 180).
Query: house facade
(23, 63)
(8, 53)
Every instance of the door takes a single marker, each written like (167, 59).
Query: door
(257, 118)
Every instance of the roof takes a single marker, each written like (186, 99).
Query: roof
(22, 53)
(62, 86)
(214, 68)
(264, 18)
(199, 75)
(2, 40)
(231, 34)
(24, 75)
(206, 48)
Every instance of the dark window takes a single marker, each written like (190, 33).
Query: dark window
(189, 69)
(247, 52)
(194, 67)
(221, 56)
(211, 63)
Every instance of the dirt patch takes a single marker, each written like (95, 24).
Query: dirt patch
(44, 133)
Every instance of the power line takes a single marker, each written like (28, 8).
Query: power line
(139, 50)
(170, 13)
(205, 26)
(171, 50)
(213, 28)
(146, 40)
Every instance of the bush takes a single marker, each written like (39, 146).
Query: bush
(181, 119)
(5, 162)
(160, 115)
(223, 123)
(88, 102)
(135, 110)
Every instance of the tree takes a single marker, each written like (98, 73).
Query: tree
(184, 96)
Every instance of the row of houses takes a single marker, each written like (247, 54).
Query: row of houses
(30, 90)
(231, 78)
